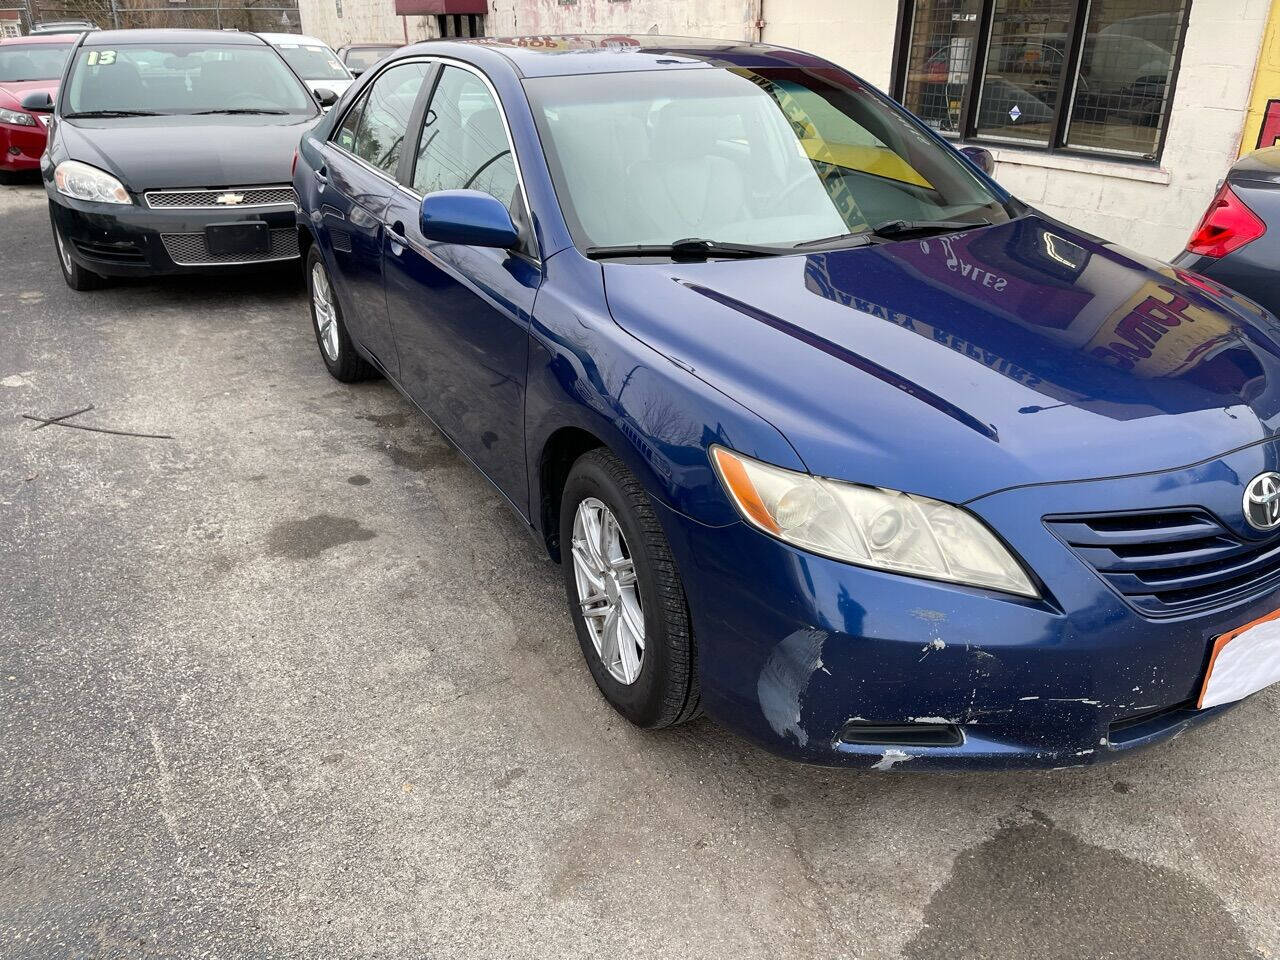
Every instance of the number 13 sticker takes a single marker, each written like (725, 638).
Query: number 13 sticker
(101, 58)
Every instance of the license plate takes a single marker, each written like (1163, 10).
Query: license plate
(224, 239)
(1243, 661)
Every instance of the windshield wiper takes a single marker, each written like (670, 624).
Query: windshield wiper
(902, 228)
(239, 110)
(112, 113)
(692, 248)
(841, 241)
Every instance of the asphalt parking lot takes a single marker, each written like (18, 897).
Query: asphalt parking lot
(296, 683)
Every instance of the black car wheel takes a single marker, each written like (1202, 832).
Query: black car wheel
(336, 349)
(625, 595)
(76, 276)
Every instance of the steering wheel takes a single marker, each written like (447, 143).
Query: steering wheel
(482, 168)
(781, 200)
(249, 99)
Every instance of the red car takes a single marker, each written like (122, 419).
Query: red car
(27, 65)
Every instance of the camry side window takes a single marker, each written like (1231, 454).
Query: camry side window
(345, 135)
(464, 145)
(384, 119)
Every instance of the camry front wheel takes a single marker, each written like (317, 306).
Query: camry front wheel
(625, 595)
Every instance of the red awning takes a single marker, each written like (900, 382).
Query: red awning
(421, 8)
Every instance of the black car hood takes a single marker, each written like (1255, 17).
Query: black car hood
(153, 153)
(954, 366)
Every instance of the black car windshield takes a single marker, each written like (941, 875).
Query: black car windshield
(183, 78)
(32, 61)
(313, 62)
(362, 58)
(750, 156)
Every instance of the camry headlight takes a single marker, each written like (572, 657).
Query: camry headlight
(870, 526)
(16, 118)
(83, 182)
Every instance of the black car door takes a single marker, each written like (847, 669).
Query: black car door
(357, 179)
(461, 314)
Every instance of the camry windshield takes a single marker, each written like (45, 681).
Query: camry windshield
(313, 62)
(772, 156)
(183, 78)
(32, 61)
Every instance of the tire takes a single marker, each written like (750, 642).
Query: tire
(76, 276)
(664, 690)
(336, 349)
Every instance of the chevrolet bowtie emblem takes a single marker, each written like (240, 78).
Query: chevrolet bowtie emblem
(230, 199)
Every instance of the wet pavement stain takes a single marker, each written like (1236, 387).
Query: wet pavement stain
(359, 480)
(1037, 891)
(428, 453)
(386, 421)
(304, 539)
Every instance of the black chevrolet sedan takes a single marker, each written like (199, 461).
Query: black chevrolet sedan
(170, 151)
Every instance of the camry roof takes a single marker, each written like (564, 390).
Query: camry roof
(618, 53)
(121, 38)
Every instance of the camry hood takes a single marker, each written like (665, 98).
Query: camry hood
(958, 365)
(150, 153)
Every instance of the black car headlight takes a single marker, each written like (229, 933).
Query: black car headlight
(870, 526)
(83, 182)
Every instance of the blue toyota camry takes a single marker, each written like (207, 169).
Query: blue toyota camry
(831, 436)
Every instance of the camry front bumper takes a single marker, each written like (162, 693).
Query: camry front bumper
(134, 240)
(830, 663)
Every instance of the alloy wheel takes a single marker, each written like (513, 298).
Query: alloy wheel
(325, 312)
(608, 594)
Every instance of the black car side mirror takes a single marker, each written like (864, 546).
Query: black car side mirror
(39, 102)
(326, 97)
(355, 72)
(981, 158)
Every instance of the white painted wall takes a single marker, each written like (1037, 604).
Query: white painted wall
(718, 19)
(361, 20)
(857, 34)
(1150, 209)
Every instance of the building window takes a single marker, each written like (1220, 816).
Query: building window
(460, 24)
(1091, 76)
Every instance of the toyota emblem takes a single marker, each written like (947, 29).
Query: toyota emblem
(1262, 501)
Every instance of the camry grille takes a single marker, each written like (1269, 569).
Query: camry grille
(190, 250)
(223, 198)
(1168, 562)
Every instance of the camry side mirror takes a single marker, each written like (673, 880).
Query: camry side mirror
(38, 103)
(981, 158)
(468, 217)
(326, 97)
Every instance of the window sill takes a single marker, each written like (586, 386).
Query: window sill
(1146, 173)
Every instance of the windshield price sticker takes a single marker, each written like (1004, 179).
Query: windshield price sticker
(101, 58)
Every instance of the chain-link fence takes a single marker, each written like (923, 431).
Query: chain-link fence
(272, 15)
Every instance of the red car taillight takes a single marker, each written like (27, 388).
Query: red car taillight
(1227, 225)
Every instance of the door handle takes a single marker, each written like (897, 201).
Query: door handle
(397, 237)
(322, 175)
